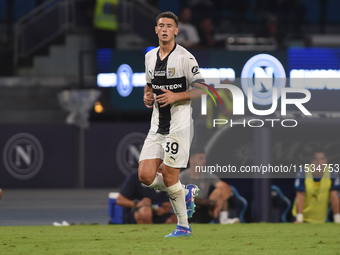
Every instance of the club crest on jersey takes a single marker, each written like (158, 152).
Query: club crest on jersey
(171, 71)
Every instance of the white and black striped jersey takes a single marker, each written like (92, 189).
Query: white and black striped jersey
(176, 72)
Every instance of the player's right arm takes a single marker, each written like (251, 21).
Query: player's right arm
(300, 200)
(148, 96)
(148, 91)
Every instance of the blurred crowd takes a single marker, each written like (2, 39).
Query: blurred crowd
(201, 20)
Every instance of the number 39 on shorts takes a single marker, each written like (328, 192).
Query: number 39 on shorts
(171, 147)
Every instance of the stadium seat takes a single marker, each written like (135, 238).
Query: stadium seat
(237, 205)
(280, 205)
(115, 211)
(329, 213)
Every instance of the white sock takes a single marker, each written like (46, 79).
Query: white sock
(177, 200)
(223, 216)
(158, 184)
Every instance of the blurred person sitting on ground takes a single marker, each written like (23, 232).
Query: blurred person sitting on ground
(315, 186)
(208, 207)
(187, 35)
(143, 205)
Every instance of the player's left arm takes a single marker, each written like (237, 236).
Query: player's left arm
(334, 197)
(169, 97)
(335, 201)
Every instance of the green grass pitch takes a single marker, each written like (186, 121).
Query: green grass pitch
(262, 238)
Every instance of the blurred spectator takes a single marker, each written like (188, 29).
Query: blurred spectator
(208, 206)
(293, 14)
(315, 185)
(105, 20)
(38, 2)
(144, 205)
(200, 7)
(271, 29)
(187, 34)
(206, 33)
(290, 12)
(154, 3)
(240, 7)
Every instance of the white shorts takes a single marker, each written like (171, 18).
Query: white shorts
(173, 148)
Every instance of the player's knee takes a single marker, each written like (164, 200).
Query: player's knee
(146, 176)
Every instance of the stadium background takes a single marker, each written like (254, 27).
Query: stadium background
(38, 63)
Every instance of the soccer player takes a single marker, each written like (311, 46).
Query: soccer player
(314, 189)
(170, 71)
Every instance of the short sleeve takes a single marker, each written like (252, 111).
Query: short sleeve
(335, 183)
(299, 184)
(147, 73)
(192, 73)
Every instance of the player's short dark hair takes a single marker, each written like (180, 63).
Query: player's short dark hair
(169, 15)
(317, 150)
(194, 151)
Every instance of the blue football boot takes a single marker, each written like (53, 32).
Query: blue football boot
(181, 232)
(189, 199)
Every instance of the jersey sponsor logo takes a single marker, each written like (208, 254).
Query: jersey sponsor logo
(167, 87)
(23, 156)
(159, 73)
(195, 70)
(171, 72)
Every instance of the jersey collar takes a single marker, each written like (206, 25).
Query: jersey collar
(158, 58)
